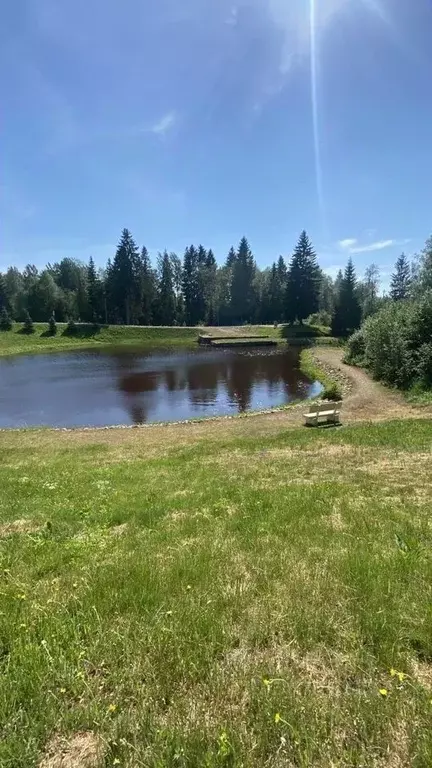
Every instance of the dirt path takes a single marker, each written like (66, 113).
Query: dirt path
(366, 399)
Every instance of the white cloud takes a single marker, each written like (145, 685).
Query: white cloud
(232, 18)
(162, 126)
(348, 243)
(352, 245)
(379, 245)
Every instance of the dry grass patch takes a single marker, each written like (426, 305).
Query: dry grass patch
(335, 520)
(19, 526)
(422, 672)
(82, 750)
(398, 754)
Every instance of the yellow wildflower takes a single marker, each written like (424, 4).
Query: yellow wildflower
(112, 707)
(277, 717)
(383, 691)
(62, 690)
(400, 675)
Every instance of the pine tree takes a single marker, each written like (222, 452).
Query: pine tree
(202, 275)
(4, 299)
(303, 282)
(124, 279)
(52, 325)
(231, 258)
(167, 298)
(28, 326)
(425, 267)
(282, 275)
(347, 313)
(242, 290)
(148, 289)
(401, 279)
(94, 292)
(190, 285)
(5, 321)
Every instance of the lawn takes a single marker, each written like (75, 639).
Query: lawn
(216, 595)
(16, 342)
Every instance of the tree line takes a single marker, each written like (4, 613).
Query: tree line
(395, 343)
(194, 290)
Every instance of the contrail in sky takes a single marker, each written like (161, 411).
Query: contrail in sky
(314, 98)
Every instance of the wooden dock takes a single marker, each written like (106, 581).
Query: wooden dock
(236, 341)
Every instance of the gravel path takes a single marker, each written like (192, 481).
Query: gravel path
(365, 399)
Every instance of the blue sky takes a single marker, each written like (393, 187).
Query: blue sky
(203, 120)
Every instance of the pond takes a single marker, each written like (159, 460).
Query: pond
(103, 388)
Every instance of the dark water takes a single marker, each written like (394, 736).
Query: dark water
(122, 387)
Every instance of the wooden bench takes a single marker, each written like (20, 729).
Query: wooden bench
(324, 413)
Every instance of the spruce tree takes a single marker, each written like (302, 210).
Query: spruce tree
(190, 285)
(94, 292)
(124, 279)
(303, 282)
(401, 279)
(167, 298)
(28, 326)
(347, 313)
(242, 289)
(148, 289)
(4, 301)
(52, 325)
(5, 321)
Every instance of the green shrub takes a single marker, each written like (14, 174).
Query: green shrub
(356, 348)
(71, 328)
(28, 326)
(52, 326)
(320, 318)
(395, 344)
(5, 321)
(332, 392)
(424, 365)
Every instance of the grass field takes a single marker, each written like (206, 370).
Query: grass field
(215, 595)
(15, 342)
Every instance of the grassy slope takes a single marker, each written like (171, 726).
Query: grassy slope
(221, 601)
(14, 343)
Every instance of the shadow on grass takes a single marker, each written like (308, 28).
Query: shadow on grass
(82, 330)
(47, 334)
(302, 332)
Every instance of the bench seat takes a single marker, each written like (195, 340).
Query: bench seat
(325, 412)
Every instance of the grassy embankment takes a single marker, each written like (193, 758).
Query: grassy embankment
(221, 594)
(15, 342)
(315, 372)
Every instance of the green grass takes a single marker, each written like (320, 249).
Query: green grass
(224, 594)
(315, 372)
(14, 343)
(419, 394)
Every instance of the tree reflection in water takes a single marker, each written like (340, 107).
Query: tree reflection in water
(166, 386)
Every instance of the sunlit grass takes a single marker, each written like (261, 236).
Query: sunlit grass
(14, 342)
(226, 601)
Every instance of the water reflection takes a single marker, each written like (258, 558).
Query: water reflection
(102, 388)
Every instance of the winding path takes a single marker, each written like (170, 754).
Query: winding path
(367, 400)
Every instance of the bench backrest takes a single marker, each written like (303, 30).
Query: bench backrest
(326, 406)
